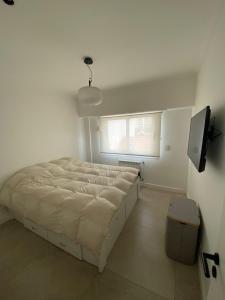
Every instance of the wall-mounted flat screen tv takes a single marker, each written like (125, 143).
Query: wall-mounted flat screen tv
(198, 138)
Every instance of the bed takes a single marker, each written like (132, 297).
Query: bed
(80, 207)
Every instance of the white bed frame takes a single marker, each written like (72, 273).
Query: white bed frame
(76, 249)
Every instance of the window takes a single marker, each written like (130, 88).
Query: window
(136, 134)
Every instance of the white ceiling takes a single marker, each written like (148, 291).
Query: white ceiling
(42, 41)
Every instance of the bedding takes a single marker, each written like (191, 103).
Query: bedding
(67, 196)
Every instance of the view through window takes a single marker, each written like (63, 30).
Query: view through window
(136, 134)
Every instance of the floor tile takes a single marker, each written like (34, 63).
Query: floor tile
(138, 268)
(187, 282)
(139, 253)
(69, 278)
(59, 276)
(20, 255)
(110, 286)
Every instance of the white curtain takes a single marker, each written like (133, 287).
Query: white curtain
(136, 134)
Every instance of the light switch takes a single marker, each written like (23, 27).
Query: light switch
(167, 148)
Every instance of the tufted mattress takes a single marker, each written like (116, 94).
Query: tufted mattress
(69, 197)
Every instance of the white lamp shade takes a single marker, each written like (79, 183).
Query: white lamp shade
(90, 95)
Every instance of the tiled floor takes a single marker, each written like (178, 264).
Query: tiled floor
(32, 268)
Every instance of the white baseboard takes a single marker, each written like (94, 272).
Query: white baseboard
(4, 215)
(162, 188)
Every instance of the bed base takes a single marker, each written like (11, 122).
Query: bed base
(76, 249)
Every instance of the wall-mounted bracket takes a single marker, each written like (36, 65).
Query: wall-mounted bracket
(215, 258)
(213, 132)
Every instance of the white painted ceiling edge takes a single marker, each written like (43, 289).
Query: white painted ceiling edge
(43, 42)
(167, 93)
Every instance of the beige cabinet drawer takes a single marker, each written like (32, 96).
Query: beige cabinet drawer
(36, 228)
(64, 243)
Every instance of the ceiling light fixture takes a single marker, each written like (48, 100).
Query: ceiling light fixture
(9, 2)
(89, 95)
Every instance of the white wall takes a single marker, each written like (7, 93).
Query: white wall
(170, 170)
(159, 94)
(175, 91)
(35, 126)
(38, 117)
(208, 188)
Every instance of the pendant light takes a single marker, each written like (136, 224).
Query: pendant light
(89, 95)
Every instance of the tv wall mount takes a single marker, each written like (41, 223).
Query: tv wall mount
(213, 132)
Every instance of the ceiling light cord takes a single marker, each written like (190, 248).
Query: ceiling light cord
(90, 76)
(89, 95)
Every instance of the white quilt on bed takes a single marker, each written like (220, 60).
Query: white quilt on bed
(71, 197)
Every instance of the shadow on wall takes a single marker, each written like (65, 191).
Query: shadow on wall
(216, 148)
(159, 94)
(215, 156)
(202, 232)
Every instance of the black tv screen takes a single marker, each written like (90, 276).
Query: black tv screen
(198, 137)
